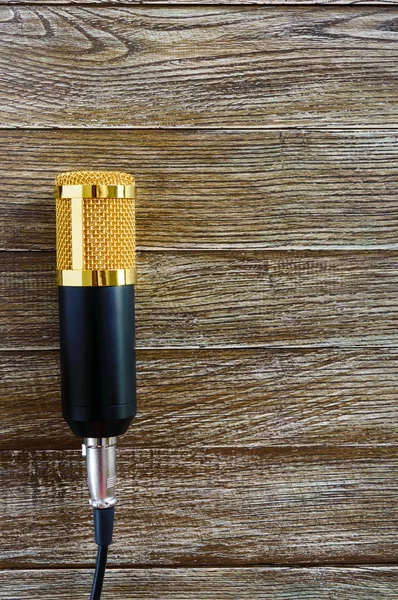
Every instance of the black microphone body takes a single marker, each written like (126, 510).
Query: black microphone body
(98, 372)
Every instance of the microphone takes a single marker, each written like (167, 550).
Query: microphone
(96, 273)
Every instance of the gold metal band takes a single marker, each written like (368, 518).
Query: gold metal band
(97, 278)
(95, 191)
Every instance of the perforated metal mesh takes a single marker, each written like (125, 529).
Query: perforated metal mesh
(108, 233)
(64, 234)
(108, 224)
(94, 178)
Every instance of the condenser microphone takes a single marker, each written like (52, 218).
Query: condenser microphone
(96, 273)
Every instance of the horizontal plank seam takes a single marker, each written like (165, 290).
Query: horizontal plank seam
(216, 128)
(391, 346)
(144, 4)
(287, 449)
(220, 349)
(387, 247)
(174, 567)
(340, 566)
(273, 249)
(348, 128)
(283, 449)
(325, 250)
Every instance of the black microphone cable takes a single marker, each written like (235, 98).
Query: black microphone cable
(99, 573)
(103, 529)
(96, 273)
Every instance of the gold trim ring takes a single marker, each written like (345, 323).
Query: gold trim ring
(97, 278)
(98, 190)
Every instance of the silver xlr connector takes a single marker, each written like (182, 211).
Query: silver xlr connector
(100, 456)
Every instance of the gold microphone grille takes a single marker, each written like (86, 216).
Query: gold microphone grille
(105, 225)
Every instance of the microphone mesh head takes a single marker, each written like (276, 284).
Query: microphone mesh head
(94, 178)
(64, 233)
(108, 224)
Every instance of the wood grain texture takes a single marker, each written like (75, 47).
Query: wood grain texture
(218, 507)
(228, 398)
(301, 468)
(236, 189)
(197, 66)
(219, 299)
(264, 583)
(160, 3)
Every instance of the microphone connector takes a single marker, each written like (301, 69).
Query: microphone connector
(100, 456)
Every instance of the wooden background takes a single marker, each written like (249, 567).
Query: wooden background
(264, 139)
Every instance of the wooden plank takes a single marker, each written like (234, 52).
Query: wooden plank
(225, 398)
(259, 583)
(219, 299)
(116, 3)
(209, 507)
(244, 189)
(216, 66)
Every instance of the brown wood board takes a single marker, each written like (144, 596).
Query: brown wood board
(235, 189)
(203, 506)
(198, 66)
(220, 299)
(228, 398)
(263, 583)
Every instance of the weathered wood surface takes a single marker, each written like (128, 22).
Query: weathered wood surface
(206, 507)
(262, 583)
(198, 66)
(218, 299)
(227, 398)
(160, 3)
(275, 442)
(235, 189)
